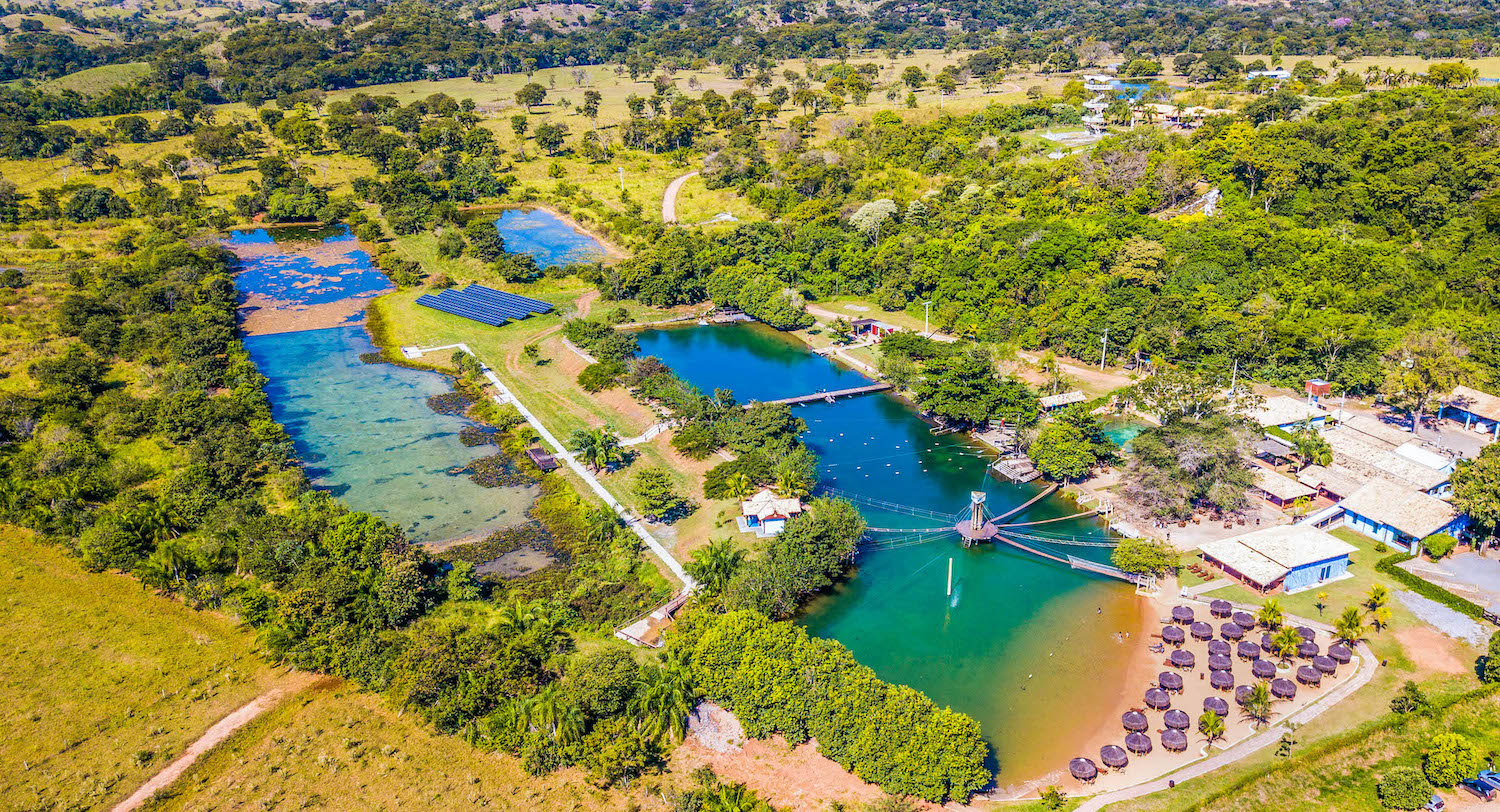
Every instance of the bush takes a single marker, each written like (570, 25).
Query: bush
(1404, 788)
(1490, 670)
(601, 376)
(1439, 545)
(1451, 758)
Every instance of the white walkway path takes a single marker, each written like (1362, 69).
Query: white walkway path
(562, 453)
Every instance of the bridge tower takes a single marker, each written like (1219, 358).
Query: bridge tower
(976, 508)
(976, 528)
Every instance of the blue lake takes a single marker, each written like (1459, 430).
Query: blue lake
(547, 238)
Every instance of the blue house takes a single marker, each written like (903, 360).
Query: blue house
(1478, 411)
(1290, 558)
(1399, 515)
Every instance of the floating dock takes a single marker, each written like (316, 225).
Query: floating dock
(829, 396)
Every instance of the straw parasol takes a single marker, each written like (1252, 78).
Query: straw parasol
(1170, 681)
(1157, 699)
(1307, 650)
(1223, 680)
(1220, 608)
(1263, 669)
(1182, 614)
(1173, 634)
(1214, 704)
(1307, 675)
(1202, 631)
(1134, 721)
(1232, 631)
(1174, 740)
(1138, 743)
(1325, 665)
(1083, 769)
(1340, 654)
(1244, 619)
(1265, 643)
(1307, 633)
(1177, 720)
(1242, 694)
(1182, 658)
(1113, 756)
(1219, 662)
(1218, 647)
(1247, 650)
(1283, 688)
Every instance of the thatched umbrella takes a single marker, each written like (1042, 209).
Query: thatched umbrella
(1232, 631)
(1170, 681)
(1177, 720)
(1242, 694)
(1307, 650)
(1083, 769)
(1307, 633)
(1113, 756)
(1307, 675)
(1218, 647)
(1182, 658)
(1182, 614)
(1220, 608)
(1265, 643)
(1247, 650)
(1135, 721)
(1263, 669)
(1222, 680)
(1202, 631)
(1138, 743)
(1326, 665)
(1340, 654)
(1174, 635)
(1244, 619)
(1214, 704)
(1283, 688)
(1174, 740)
(1219, 662)
(1157, 699)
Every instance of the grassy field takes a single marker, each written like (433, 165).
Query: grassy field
(103, 682)
(96, 80)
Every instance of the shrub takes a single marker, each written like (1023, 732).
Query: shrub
(1439, 545)
(1450, 758)
(1490, 671)
(1404, 788)
(600, 376)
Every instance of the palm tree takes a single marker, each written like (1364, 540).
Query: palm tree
(1257, 706)
(1380, 618)
(739, 486)
(1349, 627)
(791, 479)
(600, 524)
(1271, 615)
(1312, 449)
(663, 699)
(1285, 642)
(1377, 596)
(1211, 725)
(714, 565)
(596, 448)
(1321, 602)
(1373, 74)
(733, 798)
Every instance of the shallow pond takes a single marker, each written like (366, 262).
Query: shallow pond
(1033, 650)
(547, 238)
(363, 431)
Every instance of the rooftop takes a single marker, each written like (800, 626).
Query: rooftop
(1474, 401)
(1280, 486)
(1280, 410)
(765, 505)
(1377, 429)
(1367, 457)
(1063, 399)
(1266, 555)
(1393, 503)
(1336, 480)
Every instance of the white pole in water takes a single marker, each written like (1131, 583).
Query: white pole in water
(950, 577)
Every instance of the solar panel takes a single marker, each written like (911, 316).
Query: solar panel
(502, 297)
(484, 305)
(458, 307)
(505, 305)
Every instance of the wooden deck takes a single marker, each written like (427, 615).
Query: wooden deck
(828, 396)
(1016, 469)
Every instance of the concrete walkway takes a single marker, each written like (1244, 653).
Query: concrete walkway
(648, 434)
(561, 452)
(669, 200)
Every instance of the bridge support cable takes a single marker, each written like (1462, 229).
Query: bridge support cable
(891, 507)
(1013, 511)
(1049, 521)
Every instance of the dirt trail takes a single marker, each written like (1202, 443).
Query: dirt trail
(669, 199)
(221, 730)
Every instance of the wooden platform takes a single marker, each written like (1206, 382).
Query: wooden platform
(829, 396)
(1016, 469)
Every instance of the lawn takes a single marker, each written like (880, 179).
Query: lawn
(91, 81)
(103, 682)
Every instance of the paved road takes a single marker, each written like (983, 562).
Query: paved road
(669, 200)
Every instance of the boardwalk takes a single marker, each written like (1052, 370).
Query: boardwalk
(828, 396)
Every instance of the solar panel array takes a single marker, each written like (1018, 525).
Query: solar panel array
(484, 305)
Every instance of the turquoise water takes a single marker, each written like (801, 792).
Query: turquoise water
(1023, 645)
(1121, 432)
(364, 431)
(548, 239)
(337, 269)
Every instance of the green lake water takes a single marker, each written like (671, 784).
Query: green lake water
(1031, 649)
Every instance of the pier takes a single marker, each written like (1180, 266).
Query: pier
(1016, 469)
(829, 396)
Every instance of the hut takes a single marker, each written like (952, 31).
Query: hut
(1340, 654)
(1232, 631)
(1307, 650)
(1083, 769)
(1307, 633)
(1218, 647)
(1169, 681)
(1174, 740)
(1138, 743)
(1244, 619)
(1177, 720)
(1157, 699)
(1220, 608)
(1247, 650)
(1265, 643)
(1325, 665)
(1222, 680)
(1263, 669)
(1134, 721)
(1113, 756)
(1242, 694)
(1201, 631)
(1174, 635)
(1283, 689)
(1182, 614)
(1182, 658)
(1219, 662)
(1307, 675)
(1214, 704)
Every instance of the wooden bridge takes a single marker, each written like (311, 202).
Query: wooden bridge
(829, 396)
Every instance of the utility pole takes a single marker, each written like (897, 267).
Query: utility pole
(1234, 376)
(1103, 348)
(622, 178)
(926, 318)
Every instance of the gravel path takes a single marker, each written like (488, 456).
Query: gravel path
(669, 200)
(1445, 620)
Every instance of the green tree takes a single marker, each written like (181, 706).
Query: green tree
(1450, 758)
(530, 95)
(964, 391)
(1410, 699)
(653, 486)
(1271, 614)
(664, 696)
(1062, 451)
(1211, 725)
(1423, 364)
(1284, 643)
(1403, 788)
(1144, 555)
(1476, 487)
(714, 566)
(1311, 448)
(596, 448)
(1257, 705)
(913, 77)
(1350, 626)
(1490, 663)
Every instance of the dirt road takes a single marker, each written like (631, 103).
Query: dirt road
(669, 199)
